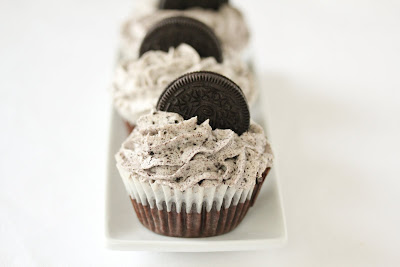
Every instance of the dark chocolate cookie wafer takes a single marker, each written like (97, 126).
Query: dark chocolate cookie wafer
(185, 4)
(174, 31)
(207, 95)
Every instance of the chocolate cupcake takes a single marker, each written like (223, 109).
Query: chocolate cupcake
(172, 48)
(227, 22)
(194, 167)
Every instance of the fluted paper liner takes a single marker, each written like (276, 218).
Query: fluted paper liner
(196, 212)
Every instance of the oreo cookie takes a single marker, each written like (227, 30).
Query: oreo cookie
(173, 31)
(185, 4)
(207, 95)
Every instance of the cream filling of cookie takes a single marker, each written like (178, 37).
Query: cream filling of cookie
(139, 83)
(166, 149)
(227, 23)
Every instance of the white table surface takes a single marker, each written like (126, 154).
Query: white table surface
(330, 69)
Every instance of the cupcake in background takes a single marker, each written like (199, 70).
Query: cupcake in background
(194, 166)
(177, 46)
(227, 22)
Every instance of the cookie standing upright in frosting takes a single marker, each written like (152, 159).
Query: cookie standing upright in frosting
(226, 21)
(191, 172)
(139, 82)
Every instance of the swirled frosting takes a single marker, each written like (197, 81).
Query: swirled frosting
(139, 83)
(227, 23)
(166, 149)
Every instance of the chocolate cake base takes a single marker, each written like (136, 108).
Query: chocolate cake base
(194, 224)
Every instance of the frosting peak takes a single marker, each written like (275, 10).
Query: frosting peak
(166, 149)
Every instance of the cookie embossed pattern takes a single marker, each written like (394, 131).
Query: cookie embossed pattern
(207, 95)
(184, 30)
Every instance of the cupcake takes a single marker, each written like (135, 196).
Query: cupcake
(166, 55)
(227, 22)
(194, 166)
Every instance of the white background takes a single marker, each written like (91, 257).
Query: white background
(331, 72)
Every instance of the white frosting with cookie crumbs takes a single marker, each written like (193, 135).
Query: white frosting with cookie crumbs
(227, 23)
(168, 150)
(139, 83)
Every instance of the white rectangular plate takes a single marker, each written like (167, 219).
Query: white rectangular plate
(263, 227)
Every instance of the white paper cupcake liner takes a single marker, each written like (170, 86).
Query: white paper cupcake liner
(155, 194)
